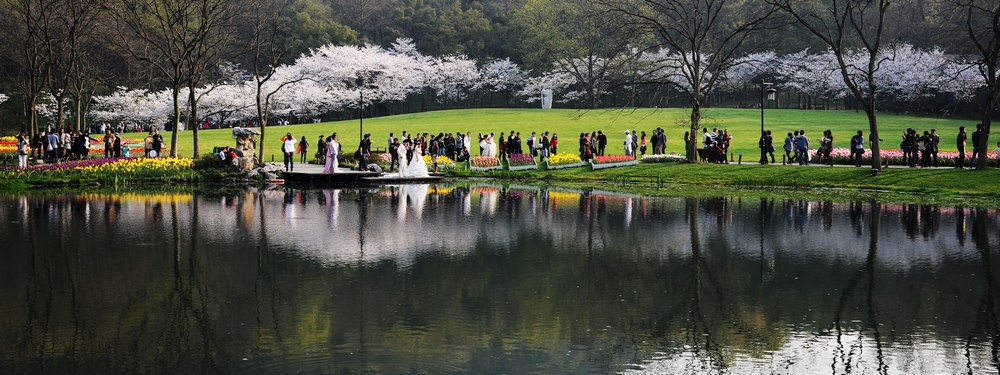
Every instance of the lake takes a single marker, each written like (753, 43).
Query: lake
(489, 279)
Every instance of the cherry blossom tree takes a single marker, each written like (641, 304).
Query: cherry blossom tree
(841, 24)
(695, 42)
(452, 77)
(561, 84)
(500, 75)
(138, 106)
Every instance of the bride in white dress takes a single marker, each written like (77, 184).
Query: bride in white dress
(417, 166)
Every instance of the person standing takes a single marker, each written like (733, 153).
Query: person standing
(109, 142)
(36, 145)
(531, 144)
(116, 146)
(802, 148)
(320, 150)
(449, 146)
(555, 143)
(762, 145)
(925, 149)
(459, 145)
(642, 144)
(393, 154)
(288, 150)
(544, 153)
(975, 146)
(332, 153)
(935, 141)
(628, 143)
(66, 141)
(826, 145)
(960, 143)
(602, 142)
(467, 142)
(857, 148)
(52, 149)
(303, 149)
(502, 146)
(769, 143)
(790, 146)
(365, 150)
(147, 144)
(687, 145)
(157, 143)
(23, 148)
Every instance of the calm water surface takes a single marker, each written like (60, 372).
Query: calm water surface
(489, 280)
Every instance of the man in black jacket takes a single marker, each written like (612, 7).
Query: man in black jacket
(602, 142)
(975, 145)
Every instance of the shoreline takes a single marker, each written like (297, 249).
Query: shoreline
(898, 185)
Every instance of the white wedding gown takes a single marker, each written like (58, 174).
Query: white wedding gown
(417, 167)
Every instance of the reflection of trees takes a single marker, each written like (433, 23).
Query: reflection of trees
(699, 332)
(525, 300)
(988, 318)
(846, 357)
(188, 300)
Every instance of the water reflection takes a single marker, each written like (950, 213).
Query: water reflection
(482, 279)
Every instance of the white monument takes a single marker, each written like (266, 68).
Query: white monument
(546, 98)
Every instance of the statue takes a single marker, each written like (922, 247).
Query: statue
(246, 143)
(546, 98)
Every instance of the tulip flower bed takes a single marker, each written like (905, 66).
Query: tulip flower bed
(110, 171)
(444, 162)
(520, 162)
(664, 158)
(484, 163)
(613, 161)
(895, 157)
(560, 161)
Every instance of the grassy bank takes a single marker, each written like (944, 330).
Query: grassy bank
(945, 186)
(132, 172)
(744, 124)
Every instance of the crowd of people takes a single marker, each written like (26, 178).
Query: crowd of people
(54, 146)
(917, 149)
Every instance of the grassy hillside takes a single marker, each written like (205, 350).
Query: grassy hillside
(744, 124)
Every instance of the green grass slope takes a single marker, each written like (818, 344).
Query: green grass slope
(744, 124)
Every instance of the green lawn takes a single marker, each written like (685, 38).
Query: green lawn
(744, 124)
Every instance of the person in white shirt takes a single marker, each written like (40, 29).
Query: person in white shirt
(628, 143)
(288, 148)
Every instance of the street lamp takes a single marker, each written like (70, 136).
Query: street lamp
(768, 89)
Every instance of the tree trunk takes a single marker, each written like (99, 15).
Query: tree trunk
(177, 116)
(60, 112)
(695, 126)
(984, 136)
(262, 119)
(193, 118)
(875, 144)
(33, 114)
(79, 112)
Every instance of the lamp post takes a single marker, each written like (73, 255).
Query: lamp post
(768, 89)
